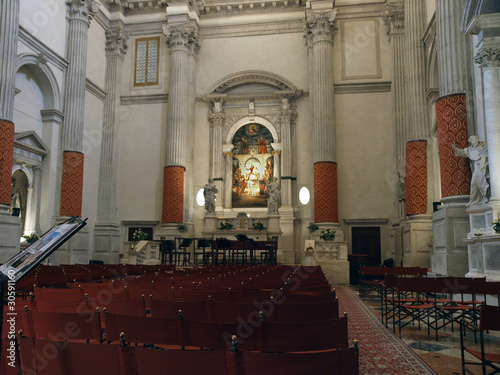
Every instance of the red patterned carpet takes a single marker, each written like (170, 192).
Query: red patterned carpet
(380, 351)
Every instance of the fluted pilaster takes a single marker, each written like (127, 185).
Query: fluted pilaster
(489, 60)
(180, 40)
(9, 29)
(394, 20)
(452, 48)
(80, 13)
(228, 182)
(116, 47)
(415, 21)
(319, 32)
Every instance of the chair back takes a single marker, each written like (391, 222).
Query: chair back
(490, 318)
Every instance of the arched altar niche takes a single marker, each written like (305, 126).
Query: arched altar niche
(252, 165)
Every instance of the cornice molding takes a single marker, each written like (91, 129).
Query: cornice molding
(144, 99)
(39, 48)
(95, 90)
(362, 87)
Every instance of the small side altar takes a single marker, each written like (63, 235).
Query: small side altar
(332, 257)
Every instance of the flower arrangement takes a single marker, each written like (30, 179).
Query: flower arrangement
(225, 225)
(258, 225)
(33, 237)
(139, 235)
(312, 227)
(496, 225)
(182, 228)
(327, 235)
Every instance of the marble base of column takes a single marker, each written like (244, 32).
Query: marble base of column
(73, 251)
(417, 241)
(7, 132)
(107, 245)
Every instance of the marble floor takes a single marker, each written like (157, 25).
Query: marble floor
(443, 355)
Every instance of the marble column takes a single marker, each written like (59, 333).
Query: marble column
(80, 13)
(217, 119)
(319, 32)
(10, 226)
(32, 204)
(394, 20)
(106, 232)
(228, 181)
(489, 59)
(180, 39)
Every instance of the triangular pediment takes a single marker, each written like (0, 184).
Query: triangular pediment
(31, 142)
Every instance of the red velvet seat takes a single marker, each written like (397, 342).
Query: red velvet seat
(341, 362)
(147, 330)
(191, 310)
(188, 362)
(59, 294)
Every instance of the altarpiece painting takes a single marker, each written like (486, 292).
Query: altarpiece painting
(252, 165)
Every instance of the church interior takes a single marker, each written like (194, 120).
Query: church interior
(250, 187)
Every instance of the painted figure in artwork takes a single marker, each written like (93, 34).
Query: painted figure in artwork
(243, 146)
(274, 200)
(261, 143)
(210, 192)
(477, 152)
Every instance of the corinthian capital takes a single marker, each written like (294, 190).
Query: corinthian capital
(288, 116)
(217, 118)
(82, 10)
(488, 57)
(394, 19)
(320, 26)
(182, 37)
(116, 42)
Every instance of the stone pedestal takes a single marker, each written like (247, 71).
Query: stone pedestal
(144, 252)
(484, 256)
(417, 234)
(450, 225)
(332, 257)
(483, 244)
(10, 233)
(106, 243)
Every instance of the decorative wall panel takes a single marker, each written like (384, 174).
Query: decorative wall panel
(6, 156)
(72, 184)
(416, 178)
(451, 116)
(173, 195)
(325, 193)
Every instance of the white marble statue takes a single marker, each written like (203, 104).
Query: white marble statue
(477, 153)
(274, 200)
(209, 193)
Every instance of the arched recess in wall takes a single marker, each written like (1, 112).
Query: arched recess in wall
(37, 117)
(258, 100)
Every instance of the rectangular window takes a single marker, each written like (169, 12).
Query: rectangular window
(147, 59)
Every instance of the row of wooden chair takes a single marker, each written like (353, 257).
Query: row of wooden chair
(46, 357)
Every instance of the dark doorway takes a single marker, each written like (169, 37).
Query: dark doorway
(366, 241)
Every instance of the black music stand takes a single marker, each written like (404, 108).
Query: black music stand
(203, 243)
(243, 239)
(223, 244)
(167, 248)
(186, 255)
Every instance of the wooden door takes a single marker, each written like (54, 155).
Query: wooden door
(366, 241)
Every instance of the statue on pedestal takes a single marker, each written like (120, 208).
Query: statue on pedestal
(477, 152)
(209, 193)
(274, 200)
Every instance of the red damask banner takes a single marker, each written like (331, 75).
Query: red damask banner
(72, 184)
(325, 193)
(451, 117)
(416, 178)
(6, 159)
(173, 195)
